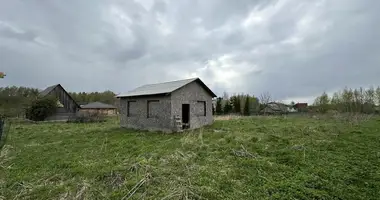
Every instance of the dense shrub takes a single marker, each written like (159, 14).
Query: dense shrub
(40, 109)
(87, 117)
(218, 107)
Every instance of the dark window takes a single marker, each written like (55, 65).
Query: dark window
(201, 106)
(152, 108)
(130, 108)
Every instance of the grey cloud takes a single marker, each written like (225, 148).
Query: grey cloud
(347, 57)
(159, 6)
(7, 32)
(118, 45)
(235, 38)
(217, 12)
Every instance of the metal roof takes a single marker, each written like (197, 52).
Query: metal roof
(48, 90)
(98, 105)
(274, 106)
(51, 88)
(163, 88)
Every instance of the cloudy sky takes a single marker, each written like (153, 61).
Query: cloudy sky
(293, 49)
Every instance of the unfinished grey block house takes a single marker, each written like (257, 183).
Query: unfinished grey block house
(170, 106)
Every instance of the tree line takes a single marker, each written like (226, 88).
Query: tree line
(243, 104)
(14, 100)
(349, 100)
(107, 97)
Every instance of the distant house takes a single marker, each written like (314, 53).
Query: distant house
(169, 106)
(67, 106)
(273, 108)
(99, 107)
(300, 106)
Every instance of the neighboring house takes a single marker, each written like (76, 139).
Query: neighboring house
(273, 108)
(99, 107)
(300, 106)
(169, 106)
(67, 106)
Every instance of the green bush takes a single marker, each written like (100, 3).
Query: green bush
(84, 117)
(41, 108)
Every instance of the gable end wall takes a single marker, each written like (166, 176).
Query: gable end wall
(191, 94)
(68, 103)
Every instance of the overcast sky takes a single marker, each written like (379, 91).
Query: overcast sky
(293, 49)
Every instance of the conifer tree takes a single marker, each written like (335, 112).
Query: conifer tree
(246, 105)
(218, 107)
(227, 107)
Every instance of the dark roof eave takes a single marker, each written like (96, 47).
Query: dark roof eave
(205, 87)
(145, 95)
(98, 108)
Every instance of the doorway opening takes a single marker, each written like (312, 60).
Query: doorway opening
(185, 116)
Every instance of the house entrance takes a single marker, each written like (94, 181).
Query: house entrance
(185, 116)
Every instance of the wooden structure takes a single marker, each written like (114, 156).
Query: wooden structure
(99, 107)
(67, 106)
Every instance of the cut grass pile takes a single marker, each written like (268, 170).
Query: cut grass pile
(247, 158)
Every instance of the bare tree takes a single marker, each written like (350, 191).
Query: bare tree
(264, 99)
(377, 94)
(225, 96)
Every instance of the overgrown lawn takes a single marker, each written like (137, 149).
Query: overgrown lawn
(248, 158)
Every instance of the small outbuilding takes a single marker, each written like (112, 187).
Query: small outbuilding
(67, 106)
(99, 107)
(169, 106)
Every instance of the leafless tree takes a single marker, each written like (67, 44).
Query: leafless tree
(264, 99)
(225, 96)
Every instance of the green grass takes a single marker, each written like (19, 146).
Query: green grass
(250, 158)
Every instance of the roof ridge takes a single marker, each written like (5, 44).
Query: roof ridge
(162, 83)
(170, 81)
(48, 89)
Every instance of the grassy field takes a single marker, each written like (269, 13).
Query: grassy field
(248, 158)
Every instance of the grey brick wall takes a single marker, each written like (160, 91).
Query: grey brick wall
(139, 119)
(191, 94)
